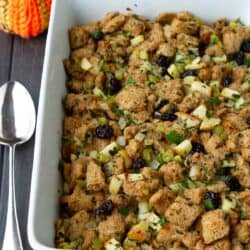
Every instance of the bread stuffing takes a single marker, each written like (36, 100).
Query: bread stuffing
(156, 135)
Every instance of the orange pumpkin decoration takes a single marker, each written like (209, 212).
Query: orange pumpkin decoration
(26, 18)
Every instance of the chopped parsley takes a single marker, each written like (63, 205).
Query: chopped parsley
(130, 80)
(118, 112)
(208, 204)
(214, 39)
(162, 221)
(123, 210)
(214, 100)
(242, 215)
(174, 137)
(247, 62)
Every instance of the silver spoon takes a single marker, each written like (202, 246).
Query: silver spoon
(17, 124)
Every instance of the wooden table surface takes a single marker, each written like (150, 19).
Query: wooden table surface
(20, 60)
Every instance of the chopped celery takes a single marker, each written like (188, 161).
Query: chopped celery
(97, 244)
(81, 183)
(103, 157)
(153, 79)
(168, 156)
(148, 142)
(147, 155)
(102, 120)
(178, 159)
(214, 40)
(119, 74)
(66, 189)
(219, 130)
(137, 40)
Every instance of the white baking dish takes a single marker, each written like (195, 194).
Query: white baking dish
(65, 14)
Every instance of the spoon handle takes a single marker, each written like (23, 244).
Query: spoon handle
(12, 239)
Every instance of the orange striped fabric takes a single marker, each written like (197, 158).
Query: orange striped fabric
(26, 18)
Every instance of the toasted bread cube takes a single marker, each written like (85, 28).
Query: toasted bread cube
(182, 213)
(214, 226)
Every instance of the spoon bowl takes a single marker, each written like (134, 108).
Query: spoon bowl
(17, 114)
(17, 124)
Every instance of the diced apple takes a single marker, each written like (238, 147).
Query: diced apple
(230, 93)
(183, 148)
(113, 244)
(98, 92)
(200, 111)
(189, 121)
(220, 59)
(239, 102)
(173, 71)
(202, 88)
(188, 80)
(85, 64)
(209, 123)
(137, 40)
(131, 177)
(154, 221)
(228, 205)
(115, 185)
(110, 149)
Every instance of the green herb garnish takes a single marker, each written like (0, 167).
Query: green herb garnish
(97, 34)
(208, 204)
(214, 100)
(118, 112)
(162, 221)
(123, 210)
(174, 137)
(130, 80)
(214, 39)
(242, 215)
(247, 62)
